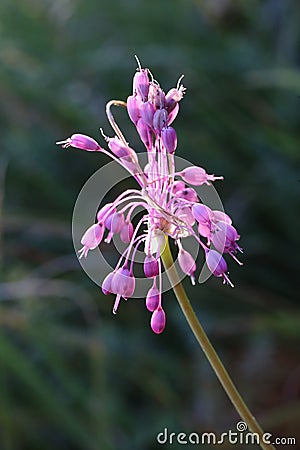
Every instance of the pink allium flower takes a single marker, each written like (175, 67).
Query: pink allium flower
(158, 320)
(172, 208)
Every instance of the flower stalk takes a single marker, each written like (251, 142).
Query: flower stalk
(208, 349)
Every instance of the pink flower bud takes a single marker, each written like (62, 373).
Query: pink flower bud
(147, 112)
(188, 194)
(151, 268)
(172, 98)
(202, 213)
(205, 231)
(173, 114)
(126, 154)
(152, 299)
(103, 211)
(133, 105)
(217, 265)
(169, 139)
(115, 222)
(185, 214)
(91, 239)
(156, 96)
(141, 83)
(187, 263)
(158, 320)
(224, 238)
(126, 232)
(197, 176)
(123, 283)
(221, 217)
(106, 284)
(170, 104)
(160, 120)
(144, 132)
(118, 147)
(81, 141)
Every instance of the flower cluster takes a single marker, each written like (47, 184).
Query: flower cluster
(172, 207)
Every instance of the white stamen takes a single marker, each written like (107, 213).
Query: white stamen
(138, 62)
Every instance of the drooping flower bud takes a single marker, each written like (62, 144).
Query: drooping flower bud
(177, 186)
(217, 265)
(147, 112)
(173, 97)
(133, 105)
(160, 120)
(151, 268)
(126, 232)
(158, 320)
(169, 139)
(106, 284)
(153, 298)
(197, 176)
(187, 263)
(91, 239)
(81, 141)
(141, 83)
(114, 222)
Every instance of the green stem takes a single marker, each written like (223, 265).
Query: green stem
(209, 350)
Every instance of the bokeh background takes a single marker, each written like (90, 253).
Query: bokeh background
(72, 376)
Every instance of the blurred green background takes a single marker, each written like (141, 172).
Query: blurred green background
(72, 376)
